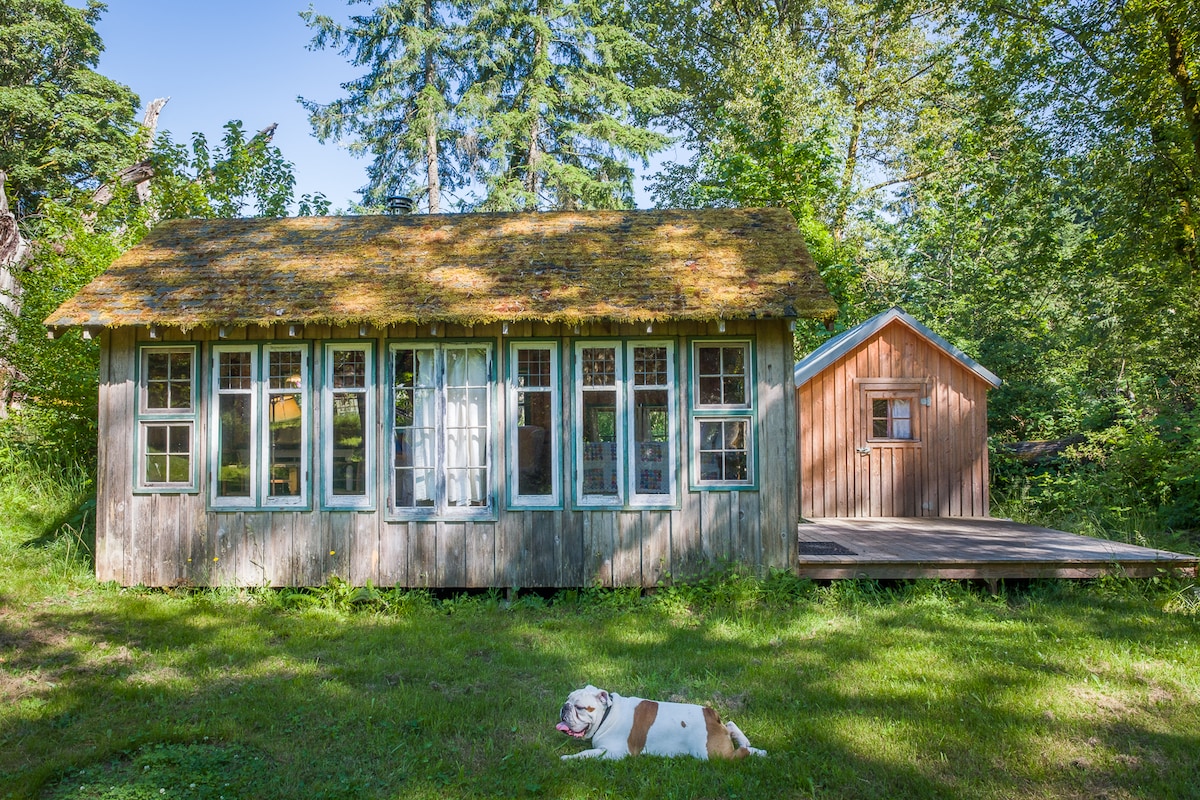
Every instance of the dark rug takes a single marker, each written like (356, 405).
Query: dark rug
(824, 549)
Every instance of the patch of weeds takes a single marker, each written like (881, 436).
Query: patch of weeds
(205, 771)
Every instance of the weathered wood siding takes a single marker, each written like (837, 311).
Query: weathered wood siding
(944, 474)
(175, 539)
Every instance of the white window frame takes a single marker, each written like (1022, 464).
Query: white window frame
(554, 498)
(625, 398)
(745, 412)
(169, 418)
(260, 439)
(367, 498)
(441, 509)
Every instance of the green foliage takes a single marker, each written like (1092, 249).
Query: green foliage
(65, 127)
(56, 380)
(203, 182)
(400, 111)
(1134, 480)
(533, 103)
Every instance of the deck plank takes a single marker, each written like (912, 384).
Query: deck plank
(974, 547)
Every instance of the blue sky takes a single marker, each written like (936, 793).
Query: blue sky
(224, 59)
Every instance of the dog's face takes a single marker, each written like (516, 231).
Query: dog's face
(582, 712)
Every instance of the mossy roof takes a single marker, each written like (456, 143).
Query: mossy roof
(569, 267)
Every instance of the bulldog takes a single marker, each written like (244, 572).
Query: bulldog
(627, 726)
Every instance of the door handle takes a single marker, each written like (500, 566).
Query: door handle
(863, 451)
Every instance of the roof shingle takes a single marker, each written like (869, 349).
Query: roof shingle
(569, 267)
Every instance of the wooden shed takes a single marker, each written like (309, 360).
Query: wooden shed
(475, 400)
(893, 423)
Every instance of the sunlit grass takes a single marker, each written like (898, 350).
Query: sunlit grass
(857, 690)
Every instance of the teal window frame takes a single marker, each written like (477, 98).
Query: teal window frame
(626, 454)
(745, 413)
(440, 509)
(554, 499)
(365, 500)
(261, 394)
(173, 419)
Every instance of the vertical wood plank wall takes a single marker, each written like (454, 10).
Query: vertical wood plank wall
(945, 475)
(175, 539)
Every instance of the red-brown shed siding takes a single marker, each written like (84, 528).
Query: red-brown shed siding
(942, 472)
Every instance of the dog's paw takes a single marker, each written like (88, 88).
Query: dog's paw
(754, 751)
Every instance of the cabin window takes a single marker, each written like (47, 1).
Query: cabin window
(441, 429)
(534, 439)
(723, 414)
(348, 425)
(891, 416)
(259, 425)
(166, 423)
(625, 438)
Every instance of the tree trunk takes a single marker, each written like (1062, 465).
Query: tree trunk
(431, 126)
(13, 249)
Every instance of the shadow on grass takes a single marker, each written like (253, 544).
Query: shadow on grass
(903, 700)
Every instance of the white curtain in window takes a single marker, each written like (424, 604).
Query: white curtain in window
(901, 419)
(467, 420)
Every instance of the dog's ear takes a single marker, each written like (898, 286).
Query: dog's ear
(603, 697)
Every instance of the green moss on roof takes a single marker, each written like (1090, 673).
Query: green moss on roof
(569, 267)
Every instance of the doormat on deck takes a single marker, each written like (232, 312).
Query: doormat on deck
(824, 549)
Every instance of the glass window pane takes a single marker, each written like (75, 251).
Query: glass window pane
(600, 443)
(734, 391)
(709, 360)
(349, 468)
(285, 369)
(534, 445)
(158, 366)
(599, 366)
(533, 367)
(234, 371)
(349, 369)
(233, 444)
(285, 441)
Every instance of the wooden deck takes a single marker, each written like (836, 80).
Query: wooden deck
(968, 548)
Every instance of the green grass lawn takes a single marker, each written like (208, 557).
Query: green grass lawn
(1052, 690)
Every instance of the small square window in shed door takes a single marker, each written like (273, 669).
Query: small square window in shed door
(891, 416)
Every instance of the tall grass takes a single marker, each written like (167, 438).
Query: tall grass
(48, 510)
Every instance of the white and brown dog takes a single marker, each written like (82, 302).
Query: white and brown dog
(627, 726)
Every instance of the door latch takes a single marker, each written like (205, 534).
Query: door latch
(863, 451)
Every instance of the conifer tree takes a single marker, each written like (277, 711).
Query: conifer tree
(555, 111)
(400, 111)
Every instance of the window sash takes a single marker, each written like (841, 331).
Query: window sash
(348, 425)
(534, 424)
(441, 458)
(165, 423)
(723, 377)
(166, 454)
(724, 450)
(626, 440)
(269, 390)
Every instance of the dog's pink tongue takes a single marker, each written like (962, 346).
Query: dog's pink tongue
(562, 726)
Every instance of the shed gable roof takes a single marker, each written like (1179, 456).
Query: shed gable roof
(625, 266)
(842, 344)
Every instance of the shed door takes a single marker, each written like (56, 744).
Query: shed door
(888, 451)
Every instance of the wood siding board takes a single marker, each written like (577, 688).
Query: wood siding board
(119, 505)
(627, 555)
(656, 547)
(393, 554)
(571, 559)
(277, 546)
(422, 570)
(545, 548)
(451, 560)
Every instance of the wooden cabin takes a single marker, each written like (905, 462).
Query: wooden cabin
(892, 423)
(476, 400)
